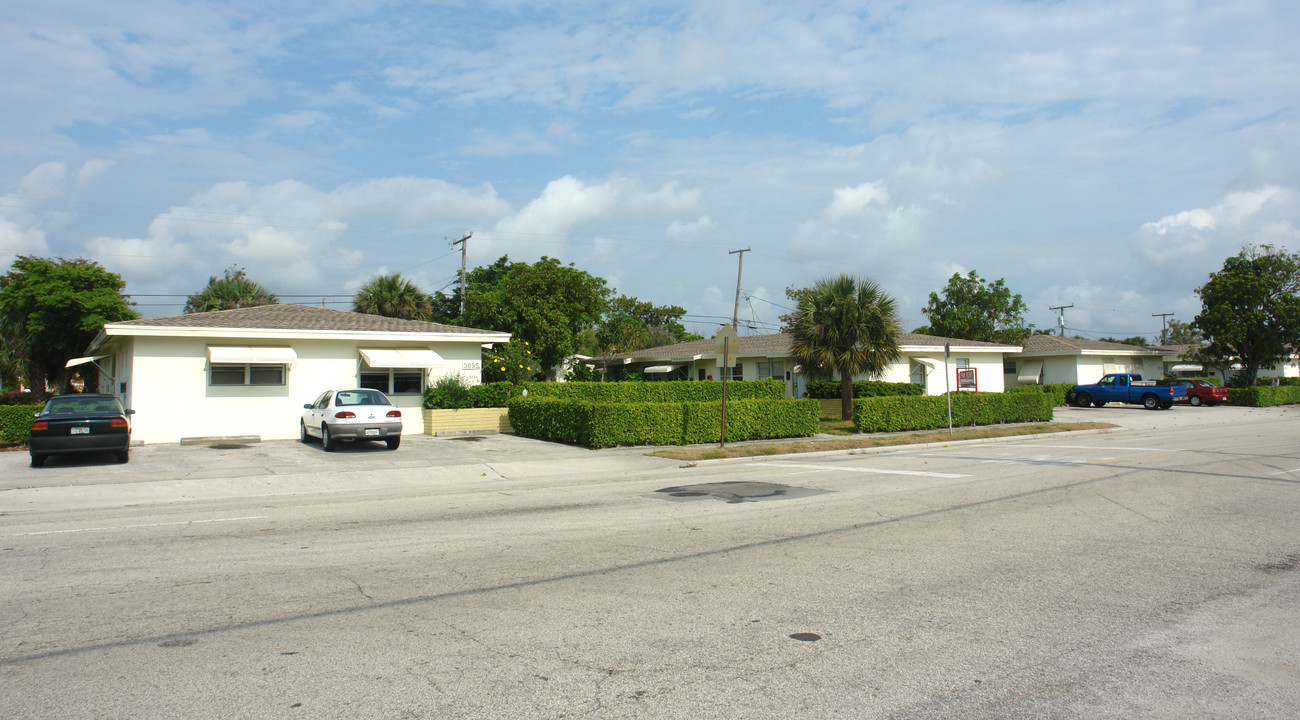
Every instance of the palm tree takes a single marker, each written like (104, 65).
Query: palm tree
(393, 296)
(235, 290)
(846, 325)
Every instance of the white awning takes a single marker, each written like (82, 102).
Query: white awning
(1187, 368)
(657, 369)
(401, 358)
(932, 364)
(83, 360)
(1030, 370)
(240, 355)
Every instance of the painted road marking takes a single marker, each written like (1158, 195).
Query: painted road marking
(145, 525)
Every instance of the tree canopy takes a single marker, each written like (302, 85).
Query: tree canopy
(51, 309)
(547, 303)
(844, 325)
(234, 290)
(1250, 310)
(631, 324)
(1136, 340)
(1180, 333)
(393, 296)
(973, 309)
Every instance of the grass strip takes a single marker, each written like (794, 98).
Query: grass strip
(760, 448)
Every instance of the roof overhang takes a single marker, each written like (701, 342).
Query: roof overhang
(126, 329)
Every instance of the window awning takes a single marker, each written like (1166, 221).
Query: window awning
(401, 358)
(933, 365)
(657, 369)
(239, 355)
(1030, 371)
(83, 360)
(1187, 368)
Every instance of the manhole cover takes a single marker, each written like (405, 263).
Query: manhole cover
(227, 446)
(738, 491)
(468, 438)
(178, 642)
(806, 637)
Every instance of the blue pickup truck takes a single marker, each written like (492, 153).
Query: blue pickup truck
(1127, 388)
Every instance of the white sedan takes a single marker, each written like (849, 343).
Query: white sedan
(347, 415)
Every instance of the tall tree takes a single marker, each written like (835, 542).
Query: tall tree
(632, 324)
(1250, 310)
(393, 296)
(547, 303)
(844, 325)
(973, 309)
(1180, 333)
(234, 290)
(53, 308)
(1136, 340)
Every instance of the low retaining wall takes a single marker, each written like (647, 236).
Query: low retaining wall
(450, 422)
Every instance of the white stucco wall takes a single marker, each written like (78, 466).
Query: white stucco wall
(988, 371)
(167, 386)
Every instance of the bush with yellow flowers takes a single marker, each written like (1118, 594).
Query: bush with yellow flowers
(512, 362)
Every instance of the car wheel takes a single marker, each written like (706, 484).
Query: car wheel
(38, 460)
(1166, 405)
(1194, 401)
(1099, 403)
(303, 437)
(123, 456)
(1150, 402)
(394, 442)
(1083, 399)
(326, 441)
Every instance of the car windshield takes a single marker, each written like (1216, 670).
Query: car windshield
(73, 405)
(347, 398)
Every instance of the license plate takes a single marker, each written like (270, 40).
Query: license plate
(372, 432)
(80, 431)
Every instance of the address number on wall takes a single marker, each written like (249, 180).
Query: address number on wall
(469, 366)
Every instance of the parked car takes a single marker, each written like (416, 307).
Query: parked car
(71, 424)
(349, 415)
(1126, 388)
(1198, 391)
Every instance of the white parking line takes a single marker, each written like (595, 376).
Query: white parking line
(145, 525)
(873, 471)
(1111, 448)
(1285, 472)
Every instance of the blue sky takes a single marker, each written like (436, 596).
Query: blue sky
(1108, 155)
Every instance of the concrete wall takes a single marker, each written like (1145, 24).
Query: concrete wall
(167, 386)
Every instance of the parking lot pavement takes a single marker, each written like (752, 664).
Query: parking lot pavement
(1136, 417)
(169, 473)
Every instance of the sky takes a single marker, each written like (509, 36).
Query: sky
(1103, 155)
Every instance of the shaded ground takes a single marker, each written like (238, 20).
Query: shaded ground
(847, 442)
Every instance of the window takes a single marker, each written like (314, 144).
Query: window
(1009, 367)
(393, 381)
(738, 372)
(245, 374)
(770, 369)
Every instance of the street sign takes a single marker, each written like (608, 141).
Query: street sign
(728, 342)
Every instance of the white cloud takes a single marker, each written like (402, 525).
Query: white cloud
(683, 230)
(16, 240)
(567, 205)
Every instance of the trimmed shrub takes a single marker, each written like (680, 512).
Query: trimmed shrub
(605, 424)
(895, 414)
(450, 392)
(492, 395)
(17, 397)
(676, 391)
(16, 423)
(1265, 396)
(830, 389)
(1058, 392)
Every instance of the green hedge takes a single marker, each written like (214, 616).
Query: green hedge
(1265, 396)
(1058, 392)
(895, 414)
(830, 389)
(605, 424)
(672, 392)
(16, 423)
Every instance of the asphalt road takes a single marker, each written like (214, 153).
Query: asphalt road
(1149, 571)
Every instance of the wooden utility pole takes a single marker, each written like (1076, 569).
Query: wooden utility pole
(726, 353)
(461, 243)
(1164, 324)
(1060, 320)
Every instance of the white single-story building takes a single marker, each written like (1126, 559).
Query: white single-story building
(1048, 359)
(1177, 364)
(972, 365)
(248, 372)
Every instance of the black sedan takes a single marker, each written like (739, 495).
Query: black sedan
(80, 424)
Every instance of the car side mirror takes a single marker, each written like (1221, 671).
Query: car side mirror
(307, 406)
(130, 412)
